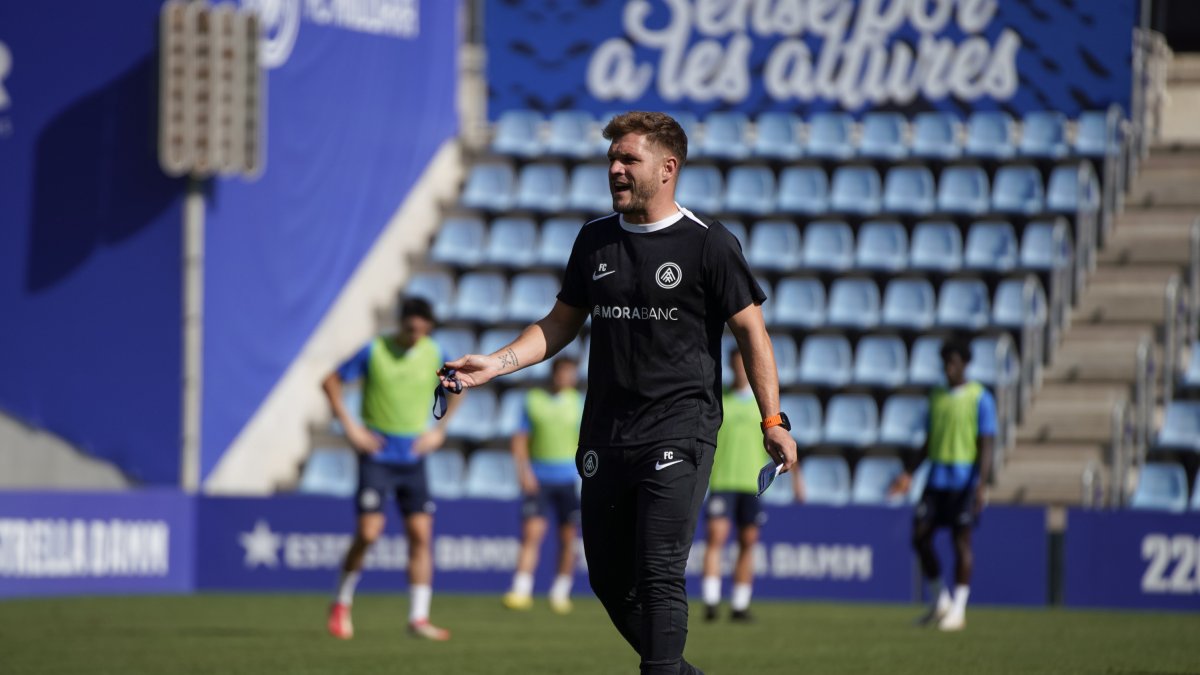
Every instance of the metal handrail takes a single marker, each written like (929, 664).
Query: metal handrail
(1118, 457)
(1170, 337)
(1193, 327)
(1143, 393)
(1005, 385)
(1092, 489)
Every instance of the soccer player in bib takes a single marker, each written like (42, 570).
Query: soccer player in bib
(544, 453)
(732, 496)
(660, 284)
(399, 376)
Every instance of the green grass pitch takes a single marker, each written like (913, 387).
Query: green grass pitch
(234, 634)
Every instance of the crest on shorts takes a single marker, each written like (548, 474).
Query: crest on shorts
(668, 275)
(591, 462)
(369, 499)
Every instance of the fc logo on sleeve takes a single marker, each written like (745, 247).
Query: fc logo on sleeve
(591, 462)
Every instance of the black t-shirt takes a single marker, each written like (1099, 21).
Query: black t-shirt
(658, 298)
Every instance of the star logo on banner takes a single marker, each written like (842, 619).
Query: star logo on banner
(262, 546)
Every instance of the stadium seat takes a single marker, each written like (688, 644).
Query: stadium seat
(925, 362)
(785, 357)
(531, 296)
(963, 190)
(768, 308)
(329, 471)
(751, 190)
(777, 136)
(883, 136)
(964, 304)
(826, 480)
(851, 420)
(1094, 137)
(991, 247)
(781, 492)
(518, 133)
(1196, 494)
(990, 135)
(508, 415)
(905, 421)
(857, 190)
(589, 189)
(935, 136)
(1044, 135)
(437, 288)
(455, 342)
(882, 246)
(774, 245)
(445, 471)
(880, 361)
(571, 134)
(799, 303)
(873, 478)
(489, 187)
(825, 361)
(690, 124)
(1189, 382)
(1068, 192)
(724, 136)
(828, 245)
(480, 297)
(804, 411)
(920, 476)
(738, 230)
(491, 474)
(984, 367)
(1018, 190)
(909, 304)
(853, 303)
(1012, 310)
(460, 242)
(512, 242)
(829, 136)
(909, 190)
(700, 188)
(541, 187)
(472, 421)
(1037, 245)
(1161, 486)
(803, 190)
(557, 239)
(1181, 427)
(936, 246)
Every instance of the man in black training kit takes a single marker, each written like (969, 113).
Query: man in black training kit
(660, 284)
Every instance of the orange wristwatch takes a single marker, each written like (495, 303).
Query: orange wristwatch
(779, 420)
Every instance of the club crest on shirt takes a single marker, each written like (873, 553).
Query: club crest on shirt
(591, 462)
(668, 275)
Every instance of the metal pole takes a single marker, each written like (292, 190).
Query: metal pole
(193, 334)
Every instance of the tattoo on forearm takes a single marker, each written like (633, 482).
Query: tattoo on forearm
(509, 358)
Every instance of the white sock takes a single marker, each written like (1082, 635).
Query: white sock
(345, 587)
(419, 598)
(561, 590)
(711, 590)
(740, 599)
(961, 592)
(522, 584)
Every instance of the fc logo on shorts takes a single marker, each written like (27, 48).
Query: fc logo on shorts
(591, 462)
(668, 275)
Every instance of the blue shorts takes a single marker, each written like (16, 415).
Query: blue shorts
(744, 507)
(406, 482)
(559, 499)
(946, 508)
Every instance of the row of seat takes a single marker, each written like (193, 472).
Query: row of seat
(1163, 486)
(786, 136)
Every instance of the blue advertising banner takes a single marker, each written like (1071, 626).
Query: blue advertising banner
(82, 544)
(804, 55)
(1132, 559)
(1010, 549)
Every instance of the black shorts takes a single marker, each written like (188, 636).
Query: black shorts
(946, 508)
(744, 507)
(406, 482)
(561, 500)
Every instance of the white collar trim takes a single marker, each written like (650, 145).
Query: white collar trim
(652, 227)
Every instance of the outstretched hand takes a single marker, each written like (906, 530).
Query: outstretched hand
(472, 370)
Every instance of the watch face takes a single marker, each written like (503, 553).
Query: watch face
(787, 424)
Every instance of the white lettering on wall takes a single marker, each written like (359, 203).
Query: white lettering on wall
(1172, 564)
(84, 548)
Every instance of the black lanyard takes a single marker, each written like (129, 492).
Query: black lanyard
(440, 404)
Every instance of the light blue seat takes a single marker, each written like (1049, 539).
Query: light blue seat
(936, 246)
(1038, 248)
(964, 304)
(991, 246)
(493, 340)
(825, 361)
(472, 421)
(768, 308)
(882, 246)
(738, 230)
(909, 304)
(329, 471)
(857, 190)
(1044, 135)
(1012, 310)
(455, 342)
(883, 136)
(774, 245)
(531, 296)
(990, 134)
(512, 242)
(510, 411)
(853, 303)
(1181, 427)
(781, 492)
(1018, 190)
(1196, 494)
(905, 421)
(445, 471)
(751, 190)
(460, 242)
(799, 303)
(690, 124)
(880, 361)
(481, 297)
(557, 239)
(1161, 486)
(829, 136)
(589, 189)
(826, 480)
(700, 188)
(777, 136)
(803, 190)
(963, 190)
(571, 134)
(1189, 383)
(725, 136)
(935, 136)
(828, 245)
(804, 411)
(491, 474)
(909, 190)
(925, 362)
(1096, 136)
(785, 357)
(437, 288)
(542, 187)
(489, 187)
(984, 367)
(873, 478)
(1068, 192)
(518, 133)
(920, 477)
